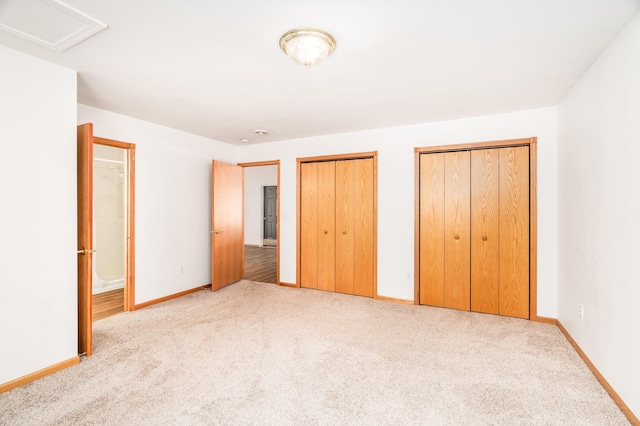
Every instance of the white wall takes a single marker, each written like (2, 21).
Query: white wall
(396, 189)
(38, 278)
(172, 201)
(255, 179)
(599, 211)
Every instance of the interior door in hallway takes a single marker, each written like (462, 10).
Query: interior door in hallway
(227, 221)
(270, 214)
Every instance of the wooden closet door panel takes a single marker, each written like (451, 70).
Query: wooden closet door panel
(514, 231)
(485, 202)
(363, 227)
(432, 229)
(345, 191)
(326, 225)
(457, 222)
(309, 225)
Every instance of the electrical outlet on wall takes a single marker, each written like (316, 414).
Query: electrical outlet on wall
(581, 311)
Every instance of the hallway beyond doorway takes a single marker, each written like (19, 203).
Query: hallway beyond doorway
(260, 264)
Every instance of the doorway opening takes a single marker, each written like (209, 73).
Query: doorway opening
(110, 170)
(261, 221)
(106, 193)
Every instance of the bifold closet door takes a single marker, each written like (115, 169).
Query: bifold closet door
(445, 229)
(514, 232)
(500, 231)
(474, 230)
(309, 225)
(485, 230)
(457, 224)
(317, 215)
(326, 226)
(432, 229)
(354, 227)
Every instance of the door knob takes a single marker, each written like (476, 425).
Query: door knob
(85, 251)
(218, 232)
(457, 237)
(326, 232)
(484, 238)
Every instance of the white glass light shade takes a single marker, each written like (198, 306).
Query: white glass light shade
(307, 46)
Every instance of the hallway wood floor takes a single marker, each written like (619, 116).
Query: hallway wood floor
(260, 264)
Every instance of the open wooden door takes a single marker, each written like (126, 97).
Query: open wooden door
(227, 224)
(85, 235)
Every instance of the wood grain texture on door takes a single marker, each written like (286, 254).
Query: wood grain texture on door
(514, 231)
(476, 221)
(309, 225)
(363, 227)
(336, 223)
(354, 227)
(485, 204)
(227, 237)
(457, 222)
(345, 209)
(326, 225)
(85, 236)
(432, 229)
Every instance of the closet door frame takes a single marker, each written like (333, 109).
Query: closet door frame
(532, 143)
(336, 157)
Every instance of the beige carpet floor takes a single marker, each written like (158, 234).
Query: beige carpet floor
(262, 354)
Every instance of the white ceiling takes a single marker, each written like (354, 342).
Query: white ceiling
(214, 67)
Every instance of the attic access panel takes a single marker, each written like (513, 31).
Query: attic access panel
(50, 23)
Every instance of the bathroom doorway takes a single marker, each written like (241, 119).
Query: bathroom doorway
(110, 171)
(87, 249)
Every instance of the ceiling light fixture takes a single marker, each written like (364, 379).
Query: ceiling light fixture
(245, 140)
(260, 132)
(307, 46)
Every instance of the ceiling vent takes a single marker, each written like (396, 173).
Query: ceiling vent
(50, 23)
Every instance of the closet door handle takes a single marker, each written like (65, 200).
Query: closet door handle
(457, 237)
(344, 232)
(484, 238)
(326, 232)
(218, 232)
